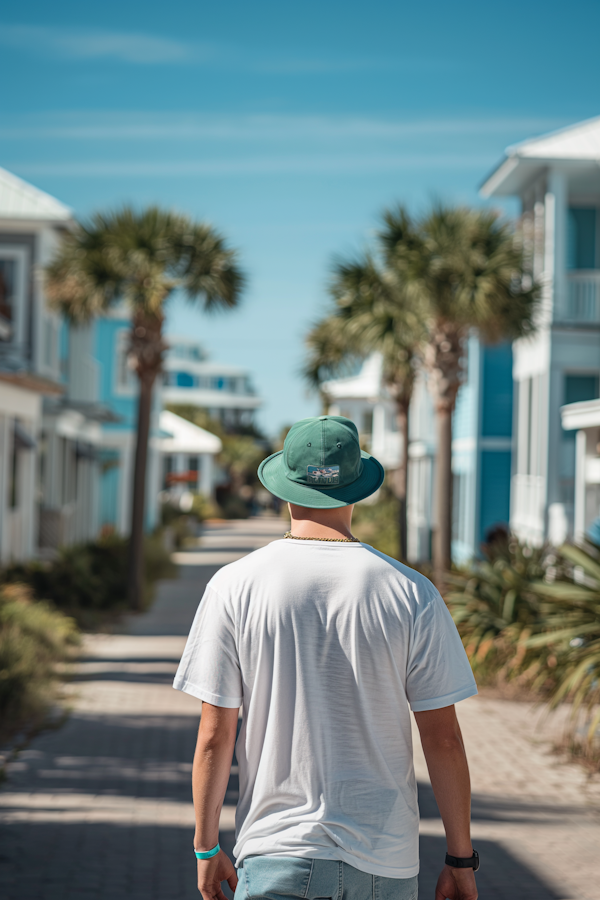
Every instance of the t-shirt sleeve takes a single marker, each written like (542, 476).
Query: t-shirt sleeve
(210, 667)
(439, 673)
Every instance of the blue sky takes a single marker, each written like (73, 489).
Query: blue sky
(288, 127)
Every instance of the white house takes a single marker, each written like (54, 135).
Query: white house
(557, 178)
(46, 477)
(364, 399)
(225, 391)
(188, 455)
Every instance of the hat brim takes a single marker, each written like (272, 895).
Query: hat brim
(272, 475)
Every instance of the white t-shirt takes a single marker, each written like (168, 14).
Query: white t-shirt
(325, 646)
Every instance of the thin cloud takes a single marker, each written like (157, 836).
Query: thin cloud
(131, 126)
(299, 165)
(86, 44)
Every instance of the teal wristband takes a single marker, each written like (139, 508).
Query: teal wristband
(209, 853)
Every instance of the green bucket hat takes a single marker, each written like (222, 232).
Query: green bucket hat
(321, 465)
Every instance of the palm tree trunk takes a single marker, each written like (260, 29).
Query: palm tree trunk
(443, 357)
(146, 348)
(135, 580)
(442, 541)
(401, 479)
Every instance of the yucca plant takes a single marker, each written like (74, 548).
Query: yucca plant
(569, 635)
(494, 607)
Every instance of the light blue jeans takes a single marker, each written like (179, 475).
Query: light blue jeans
(284, 877)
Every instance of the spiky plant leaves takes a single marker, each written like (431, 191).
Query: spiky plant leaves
(567, 636)
(494, 608)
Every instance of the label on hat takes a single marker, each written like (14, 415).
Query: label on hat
(327, 475)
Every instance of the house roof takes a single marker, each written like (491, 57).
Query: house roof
(20, 200)
(577, 145)
(584, 414)
(185, 437)
(365, 385)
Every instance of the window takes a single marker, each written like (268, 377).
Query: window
(580, 387)
(497, 391)
(581, 238)
(168, 468)
(193, 470)
(184, 379)
(8, 273)
(14, 263)
(495, 489)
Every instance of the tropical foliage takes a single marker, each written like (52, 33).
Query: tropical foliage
(569, 637)
(139, 258)
(89, 581)
(494, 606)
(534, 614)
(34, 640)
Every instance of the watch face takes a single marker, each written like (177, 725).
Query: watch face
(476, 856)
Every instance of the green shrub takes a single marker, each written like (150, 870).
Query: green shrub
(234, 507)
(494, 606)
(34, 639)
(90, 580)
(535, 614)
(203, 508)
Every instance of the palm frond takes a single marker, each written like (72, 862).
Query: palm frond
(140, 257)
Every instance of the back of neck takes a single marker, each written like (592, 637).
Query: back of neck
(322, 524)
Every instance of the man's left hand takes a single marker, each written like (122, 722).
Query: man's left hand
(456, 884)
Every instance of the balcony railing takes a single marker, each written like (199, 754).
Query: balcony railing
(583, 298)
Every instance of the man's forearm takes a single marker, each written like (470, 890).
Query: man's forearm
(449, 773)
(210, 774)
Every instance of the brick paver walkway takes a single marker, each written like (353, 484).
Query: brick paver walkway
(101, 808)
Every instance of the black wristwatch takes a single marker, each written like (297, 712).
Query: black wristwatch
(463, 862)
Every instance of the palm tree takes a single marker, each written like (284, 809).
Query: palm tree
(140, 258)
(461, 269)
(371, 314)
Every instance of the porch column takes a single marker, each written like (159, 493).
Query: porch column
(555, 249)
(206, 477)
(580, 485)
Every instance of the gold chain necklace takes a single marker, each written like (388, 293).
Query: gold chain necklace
(296, 537)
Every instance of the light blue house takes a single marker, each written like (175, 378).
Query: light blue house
(482, 447)
(118, 390)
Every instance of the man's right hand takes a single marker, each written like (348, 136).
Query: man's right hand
(213, 871)
(456, 884)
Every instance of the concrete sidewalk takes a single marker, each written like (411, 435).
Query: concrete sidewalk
(101, 808)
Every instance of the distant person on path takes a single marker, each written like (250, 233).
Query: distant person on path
(326, 644)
